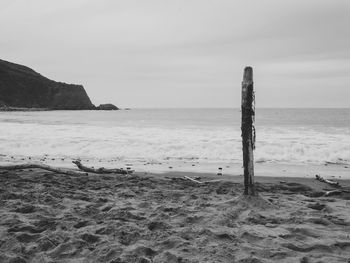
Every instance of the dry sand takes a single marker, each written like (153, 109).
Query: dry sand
(48, 217)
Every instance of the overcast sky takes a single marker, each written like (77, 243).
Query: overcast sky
(186, 53)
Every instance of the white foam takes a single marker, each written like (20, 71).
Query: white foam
(217, 144)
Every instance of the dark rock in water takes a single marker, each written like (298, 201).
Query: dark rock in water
(22, 87)
(107, 106)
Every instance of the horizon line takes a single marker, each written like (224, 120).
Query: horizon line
(154, 108)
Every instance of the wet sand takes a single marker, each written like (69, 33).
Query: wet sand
(272, 169)
(49, 217)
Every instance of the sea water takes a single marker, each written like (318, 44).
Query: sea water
(179, 139)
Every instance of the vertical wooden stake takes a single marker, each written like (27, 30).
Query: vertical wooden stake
(247, 131)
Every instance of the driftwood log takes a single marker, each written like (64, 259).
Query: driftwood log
(43, 167)
(331, 192)
(330, 182)
(199, 182)
(101, 170)
(84, 170)
(192, 180)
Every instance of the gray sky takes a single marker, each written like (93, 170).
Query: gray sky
(186, 53)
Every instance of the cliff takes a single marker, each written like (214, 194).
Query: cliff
(22, 87)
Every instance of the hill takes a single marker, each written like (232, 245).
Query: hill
(22, 87)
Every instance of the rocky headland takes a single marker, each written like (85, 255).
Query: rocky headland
(22, 89)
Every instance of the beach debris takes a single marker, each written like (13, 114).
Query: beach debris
(100, 170)
(330, 182)
(219, 172)
(43, 167)
(193, 180)
(340, 161)
(196, 180)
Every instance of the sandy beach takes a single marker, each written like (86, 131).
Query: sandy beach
(175, 131)
(49, 217)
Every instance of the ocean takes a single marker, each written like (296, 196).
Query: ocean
(176, 139)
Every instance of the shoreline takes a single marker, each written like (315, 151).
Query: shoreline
(312, 183)
(328, 171)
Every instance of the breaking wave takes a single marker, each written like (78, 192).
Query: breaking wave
(218, 144)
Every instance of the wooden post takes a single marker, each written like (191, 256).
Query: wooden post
(248, 131)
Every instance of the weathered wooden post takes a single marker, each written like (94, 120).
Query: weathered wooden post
(248, 131)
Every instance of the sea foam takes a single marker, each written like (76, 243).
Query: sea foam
(152, 143)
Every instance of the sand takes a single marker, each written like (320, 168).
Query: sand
(48, 217)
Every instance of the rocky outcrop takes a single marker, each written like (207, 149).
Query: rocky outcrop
(107, 106)
(22, 87)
